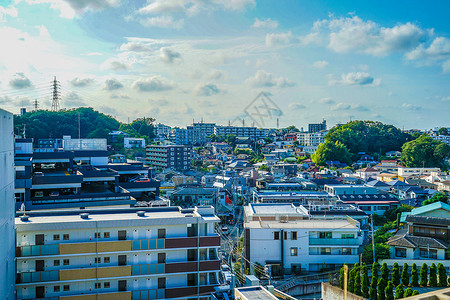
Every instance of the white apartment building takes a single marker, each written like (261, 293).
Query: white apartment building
(162, 130)
(405, 172)
(145, 253)
(290, 241)
(133, 143)
(7, 202)
(311, 138)
(242, 131)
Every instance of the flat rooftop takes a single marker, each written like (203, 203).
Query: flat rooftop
(255, 292)
(313, 224)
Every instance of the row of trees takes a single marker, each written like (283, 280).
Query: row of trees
(381, 286)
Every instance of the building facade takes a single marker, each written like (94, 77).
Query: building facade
(174, 156)
(146, 253)
(7, 274)
(317, 127)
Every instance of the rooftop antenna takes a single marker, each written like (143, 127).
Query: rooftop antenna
(36, 104)
(229, 122)
(55, 95)
(243, 123)
(278, 123)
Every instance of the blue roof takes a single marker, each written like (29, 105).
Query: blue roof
(425, 209)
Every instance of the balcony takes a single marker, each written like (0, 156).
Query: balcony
(333, 242)
(58, 179)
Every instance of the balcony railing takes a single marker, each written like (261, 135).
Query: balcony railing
(332, 242)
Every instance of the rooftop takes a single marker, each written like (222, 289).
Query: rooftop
(312, 224)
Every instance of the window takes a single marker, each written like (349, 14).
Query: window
(347, 236)
(161, 282)
(294, 251)
(191, 279)
(106, 285)
(325, 235)
(192, 254)
(97, 235)
(56, 237)
(346, 251)
(56, 288)
(325, 251)
(161, 233)
(56, 262)
(66, 262)
(276, 235)
(106, 260)
(285, 235)
(65, 236)
(66, 288)
(98, 260)
(106, 235)
(294, 235)
(98, 285)
(400, 252)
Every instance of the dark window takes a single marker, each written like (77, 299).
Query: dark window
(40, 292)
(56, 237)
(66, 288)
(161, 258)
(122, 285)
(161, 233)
(122, 260)
(294, 251)
(193, 229)
(325, 235)
(161, 282)
(192, 254)
(98, 285)
(65, 236)
(97, 235)
(294, 235)
(325, 251)
(66, 262)
(39, 265)
(39, 239)
(191, 279)
(56, 262)
(56, 288)
(400, 252)
(106, 285)
(122, 234)
(106, 260)
(276, 235)
(97, 260)
(285, 235)
(106, 235)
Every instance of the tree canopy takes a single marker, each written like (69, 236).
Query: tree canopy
(331, 151)
(368, 136)
(424, 152)
(443, 131)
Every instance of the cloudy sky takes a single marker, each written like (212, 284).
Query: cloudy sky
(184, 60)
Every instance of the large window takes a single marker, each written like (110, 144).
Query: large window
(325, 235)
(347, 236)
(293, 235)
(400, 252)
(325, 251)
(294, 251)
(276, 235)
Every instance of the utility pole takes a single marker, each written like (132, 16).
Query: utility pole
(55, 95)
(373, 241)
(345, 281)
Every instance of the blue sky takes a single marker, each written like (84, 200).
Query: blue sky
(178, 60)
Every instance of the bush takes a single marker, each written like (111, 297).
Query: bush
(374, 282)
(365, 281)
(414, 275)
(395, 274)
(351, 281)
(341, 277)
(384, 272)
(399, 292)
(381, 286)
(442, 275)
(415, 292)
(357, 280)
(433, 276)
(388, 291)
(405, 275)
(408, 292)
(424, 275)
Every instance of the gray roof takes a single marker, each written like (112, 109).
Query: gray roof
(404, 239)
(428, 220)
(376, 183)
(193, 191)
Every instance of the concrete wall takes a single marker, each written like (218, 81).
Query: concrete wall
(7, 203)
(330, 292)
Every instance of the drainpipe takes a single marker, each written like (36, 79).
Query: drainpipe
(282, 251)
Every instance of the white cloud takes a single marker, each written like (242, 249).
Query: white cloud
(355, 78)
(153, 84)
(215, 75)
(341, 106)
(411, 107)
(7, 11)
(320, 64)
(267, 23)
(163, 22)
(208, 89)
(296, 106)
(327, 101)
(114, 64)
(73, 100)
(265, 79)
(275, 39)
(112, 84)
(445, 98)
(81, 82)
(438, 52)
(168, 55)
(20, 81)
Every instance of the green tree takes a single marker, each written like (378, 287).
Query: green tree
(405, 275)
(389, 291)
(424, 275)
(382, 251)
(365, 281)
(258, 270)
(384, 272)
(357, 280)
(437, 197)
(424, 152)
(341, 276)
(414, 275)
(442, 275)
(351, 280)
(399, 292)
(415, 292)
(374, 281)
(433, 275)
(381, 286)
(408, 293)
(331, 151)
(395, 274)
(443, 131)
(292, 128)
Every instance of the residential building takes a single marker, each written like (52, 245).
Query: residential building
(290, 241)
(387, 166)
(192, 196)
(133, 143)
(162, 131)
(407, 172)
(317, 127)
(7, 234)
(145, 253)
(366, 173)
(349, 189)
(313, 139)
(174, 156)
(302, 197)
(247, 132)
(442, 138)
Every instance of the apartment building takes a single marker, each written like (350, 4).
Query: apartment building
(7, 205)
(145, 253)
(241, 131)
(312, 139)
(133, 143)
(290, 241)
(317, 127)
(162, 131)
(174, 156)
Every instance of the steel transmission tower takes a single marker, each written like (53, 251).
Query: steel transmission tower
(55, 95)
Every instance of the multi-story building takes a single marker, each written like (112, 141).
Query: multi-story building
(312, 139)
(7, 235)
(248, 132)
(162, 131)
(288, 239)
(317, 127)
(145, 253)
(179, 136)
(174, 156)
(133, 143)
